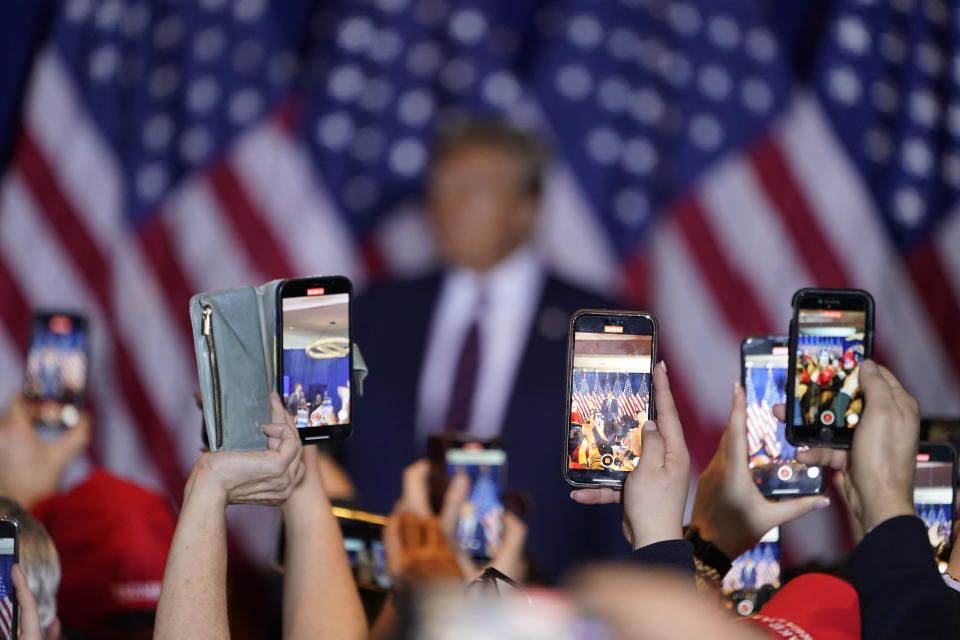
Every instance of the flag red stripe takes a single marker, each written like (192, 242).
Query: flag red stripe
(155, 245)
(796, 214)
(254, 234)
(15, 311)
(92, 265)
(932, 283)
(46, 191)
(734, 297)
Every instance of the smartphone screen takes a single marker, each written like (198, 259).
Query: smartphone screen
(754, 569)
(834, 333)
(363, 542)
(611, 357)
(55, 380)
(9, 552)
(315, 356)
(933, 497)
(771, 456)
(480, 520)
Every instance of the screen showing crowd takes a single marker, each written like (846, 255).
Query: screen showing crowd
(7, 593)
(771, 456)
(56, 369)
(933, 499)
(316, 359)
(829, 352)
(480, 519)
(610, 392)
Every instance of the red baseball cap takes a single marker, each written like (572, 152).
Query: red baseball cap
(814, 605)
(112, 537)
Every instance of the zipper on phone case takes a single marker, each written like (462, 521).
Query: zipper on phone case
(207, 330)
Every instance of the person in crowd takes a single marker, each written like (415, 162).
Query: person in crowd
(479, 346)
(611, 409)
(40, 566)
(320, 598)
(296, 399)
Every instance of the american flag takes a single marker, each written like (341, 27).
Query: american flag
(169, 148)
(7, 594)
(761, 424)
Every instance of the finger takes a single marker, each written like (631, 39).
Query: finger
(823, 457)
(654, 447)
(18, 417)
(29, 616)
(509, 557)
(784, 511)
(278, 413)
(415, 495)
(876, 389)
(780, 411)
(393, 546)
(736, 434)
(668, 421)
(411, 531)
(290, 447)
(433, 537)
(604, 495)
(453, 499)
(901, 396)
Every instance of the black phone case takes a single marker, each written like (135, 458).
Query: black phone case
(868, 334)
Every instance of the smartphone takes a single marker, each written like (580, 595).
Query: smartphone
(830, 334)
(362, 540)
(754, 575)
(9, 555)
(315, 356)
(771, 458)
(610, 359)
(934, 496)
(484, 460)
(55, 380)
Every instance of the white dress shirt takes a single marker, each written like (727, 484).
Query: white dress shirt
(511, 294)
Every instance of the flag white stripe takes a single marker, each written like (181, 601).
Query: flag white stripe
(752, 237)
(282, 184)
(75, 150)
(707, 355)
(204, 243)
(38, 263)
(847, 215)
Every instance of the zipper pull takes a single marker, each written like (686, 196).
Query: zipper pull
(207, 312)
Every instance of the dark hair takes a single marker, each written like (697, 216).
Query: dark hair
(524, 145)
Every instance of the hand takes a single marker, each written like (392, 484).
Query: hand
(417, 549)
(880, 466)
(655, 493)
(30, 468)
(509, 557)
(728, 509)
(255, 477)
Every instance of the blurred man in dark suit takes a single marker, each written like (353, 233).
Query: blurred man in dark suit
(479, 346)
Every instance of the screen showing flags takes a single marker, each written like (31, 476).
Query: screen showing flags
(8, 596)
(631, 390)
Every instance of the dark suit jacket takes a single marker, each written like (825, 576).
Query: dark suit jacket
(391, 324)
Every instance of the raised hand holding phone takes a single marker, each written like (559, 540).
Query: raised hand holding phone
(880, 467)
(728, 510)
(654, 494)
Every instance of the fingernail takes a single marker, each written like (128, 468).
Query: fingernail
(572, 492)
(663, 365)
(649, 425)
(822, 503)
(736, 387)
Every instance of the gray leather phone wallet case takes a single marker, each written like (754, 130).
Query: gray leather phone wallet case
(233, 335)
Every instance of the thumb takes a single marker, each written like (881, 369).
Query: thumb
(653, 447)
(453, 499)
(784, 511)
(278, 413)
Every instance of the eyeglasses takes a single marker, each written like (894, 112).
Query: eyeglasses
(488, 582)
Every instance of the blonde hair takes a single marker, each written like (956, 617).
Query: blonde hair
(38, 559)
